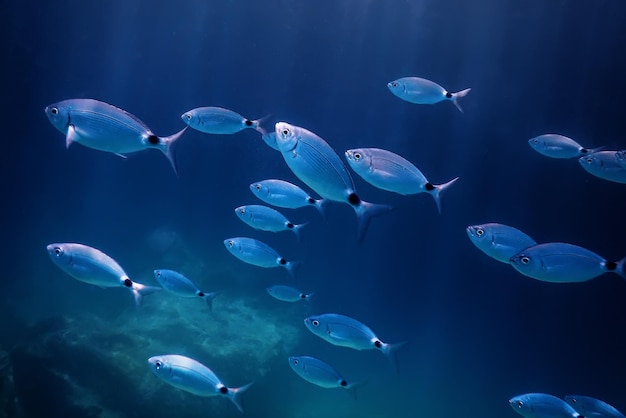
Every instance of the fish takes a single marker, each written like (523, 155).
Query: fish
(315, 162)
(320, 373)
(104, 127)
(499, 241)
(217, 120)
(179, 285)
(559, 262)
(559, 146)
(604, 165)
(267, 219)
(255, 252)
(620, 156)
(90, 265)
(422, 91)
(287, 293)
(270, 139)
(542, 405)
(344, 331)
(591, 407)
(283, 194)
(391, 172)
(194, 377)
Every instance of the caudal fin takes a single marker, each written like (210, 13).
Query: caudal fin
(234, 394)
(140, 290)
(620, 268)
(208, 298)
(389, 350)
(365, 211)
(296, 230)
(320, 205)
(258, 126)
(456, 96)
(352, 387)
(292, 268)
(169, 147)
(438, 191)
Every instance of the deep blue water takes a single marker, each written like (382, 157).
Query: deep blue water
(478, 332)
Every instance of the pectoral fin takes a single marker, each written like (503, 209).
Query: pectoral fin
(71, 136)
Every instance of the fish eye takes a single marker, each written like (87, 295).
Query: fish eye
(357, 156)
(258, 186)
(295, 361)
(315, 323)
(525, 260)
(54, 111)
(394, 84)
(188, 116)
(231, 243)
(58, 251)
(536, 141)
(480, 232)
(158, 365)
(158, 274)
(242, 211)
(285, 132)
(520, 404)
(589, 160)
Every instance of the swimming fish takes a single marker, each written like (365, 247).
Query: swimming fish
(287, 293)
(217, 120)
(252, 251)
(499, 241)
(421, 91)
(620, 156)
(591, 407)
(267, 219)
(559, 146)
(563, 263)
(344, 331)
(179, 285)
(285, 195)
(542, 405)
(104, 127)
(314, 162)
(92, 266)
(270, 139)
(391, 172)
(604, 165)
(194, 377)
(320, 373)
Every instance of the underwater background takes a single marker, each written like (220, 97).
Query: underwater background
(477, 331)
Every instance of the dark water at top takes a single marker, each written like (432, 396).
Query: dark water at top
(478, 332)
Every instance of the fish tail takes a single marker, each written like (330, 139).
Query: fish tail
(438, 191)
(389, 350)
(296, 230)
(308, 296)
(140, 290)
(292, 268)
(258, 124)
(365, 211)
(456, 96)
(169, 148)
(320, 205)
(621, 268)
(234, 394)
(352, 387)
(208, 298)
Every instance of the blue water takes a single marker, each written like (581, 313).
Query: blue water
(478, 332)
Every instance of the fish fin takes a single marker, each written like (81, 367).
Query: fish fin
(621, 268)
(169, 148)
(456, 96)
(438, 191)
(352, 387)
(296, 230)
(308, 296)
(71, 136)
(320, 205)
(587, 151)
(140, 290)
(389, 350)
(257, 124)
(208, 298)
(121, 155)
(234, 394)
(292, 268)
(365, 211)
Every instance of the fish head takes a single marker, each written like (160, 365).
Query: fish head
(286, 136)
(525, 263)
(191, 118)
(591, 162)
(160, 276)
(59, 254)
(359, 159)
(231, 244)
(242, 212)
(537, 143)
(315, 325)
(479, 234)
(160, 366)
(521, 404)
(59, 116)
(397, 87)
(296, 364)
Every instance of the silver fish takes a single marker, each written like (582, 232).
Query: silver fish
(255, 252)
(542, 405)
(422, 91)
(92, 266)
(217, 120)
(391, 172)
(194, 377)
(344, 331)
(270, 139)
(285, 195)
(563, 263)
(620, 156)
(267, 219)
(179, 285)
(104, 127)
(591, 407)
(287, 293)
(559, 146)
(320, 373)
(499, 241)
(604, 165)
(314, 162)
